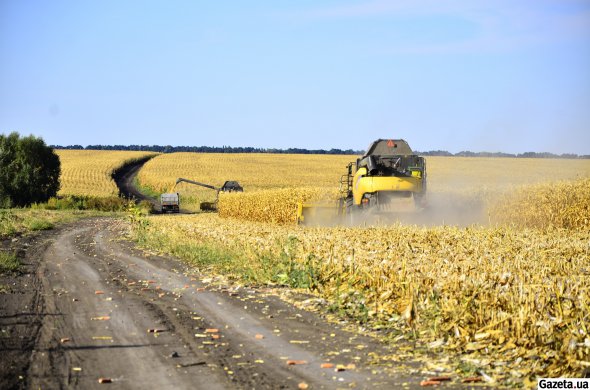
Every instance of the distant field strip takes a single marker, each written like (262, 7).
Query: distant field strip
(274, 183)
(89, 172)
(255, 172)
(272, 171)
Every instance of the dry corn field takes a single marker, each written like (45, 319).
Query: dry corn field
(510, 298)
(464, 179)
(89, 172)
(547, 205)
(459, 183)
(272, 171)
(255, 172)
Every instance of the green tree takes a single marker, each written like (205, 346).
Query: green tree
(29, 170)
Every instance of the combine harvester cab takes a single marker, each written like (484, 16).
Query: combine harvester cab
(388, 179)
(388, 173)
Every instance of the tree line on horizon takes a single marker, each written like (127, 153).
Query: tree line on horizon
(240, 149)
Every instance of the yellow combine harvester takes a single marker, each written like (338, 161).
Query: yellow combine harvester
(388, 179)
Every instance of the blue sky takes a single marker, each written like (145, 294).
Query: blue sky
(511, 76)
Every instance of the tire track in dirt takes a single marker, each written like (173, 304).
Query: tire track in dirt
(102, 296)
(89, 324)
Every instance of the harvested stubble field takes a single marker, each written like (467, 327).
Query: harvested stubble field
(509, 297)
(89, 172)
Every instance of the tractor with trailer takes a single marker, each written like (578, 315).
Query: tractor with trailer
(167, 199)
(388, 179)
(170, 202)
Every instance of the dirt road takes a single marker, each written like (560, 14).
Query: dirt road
(99, 308)
(125, 179)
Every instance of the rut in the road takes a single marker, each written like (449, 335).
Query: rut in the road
(144, 322)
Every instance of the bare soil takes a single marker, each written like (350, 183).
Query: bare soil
(125, 178)
(89, 305)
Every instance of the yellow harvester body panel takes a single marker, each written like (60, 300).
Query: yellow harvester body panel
(319, 213)
(362, 184)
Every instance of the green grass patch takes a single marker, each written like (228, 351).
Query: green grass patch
(266, 269)
(71, 202)
(146, 190)
(19, 221)
(39, 224)
(8, 223)
(9, 262)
